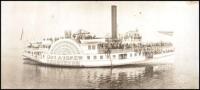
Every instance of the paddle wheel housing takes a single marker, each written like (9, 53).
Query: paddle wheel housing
(65, 47)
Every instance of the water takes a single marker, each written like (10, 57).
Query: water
(127, 77)
(19, 73)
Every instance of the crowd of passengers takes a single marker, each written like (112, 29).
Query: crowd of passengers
(148, 48)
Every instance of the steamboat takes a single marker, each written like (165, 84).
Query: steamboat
(83, 49)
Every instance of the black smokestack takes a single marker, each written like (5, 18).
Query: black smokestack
(114, 22)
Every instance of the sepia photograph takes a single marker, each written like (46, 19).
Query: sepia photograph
(99, 44)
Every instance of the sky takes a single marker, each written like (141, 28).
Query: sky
(43, 19)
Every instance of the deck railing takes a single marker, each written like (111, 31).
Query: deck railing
(101, 51)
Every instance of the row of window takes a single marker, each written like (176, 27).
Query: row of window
(95, 57)
(121, 56)
(91, 47)
(38, 53)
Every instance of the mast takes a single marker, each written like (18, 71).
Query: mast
(21, 34)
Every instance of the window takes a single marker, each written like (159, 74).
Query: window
(80, 57)
(135, 54)
(75, 57)
(122, 56)
(88, 57)
(114, 56)
(130, 54)
(125, 56)
(89, 47)
(95, 57)
(93, 47)
(101, 57)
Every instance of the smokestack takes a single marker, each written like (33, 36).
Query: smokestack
(114, 22)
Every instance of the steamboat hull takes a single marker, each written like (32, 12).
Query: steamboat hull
(59, 61)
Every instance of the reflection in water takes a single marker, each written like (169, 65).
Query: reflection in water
(145, 76)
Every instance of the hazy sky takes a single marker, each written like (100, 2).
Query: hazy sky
(52, 18)
(42, 19)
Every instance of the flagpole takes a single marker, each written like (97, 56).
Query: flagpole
(21, 34)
